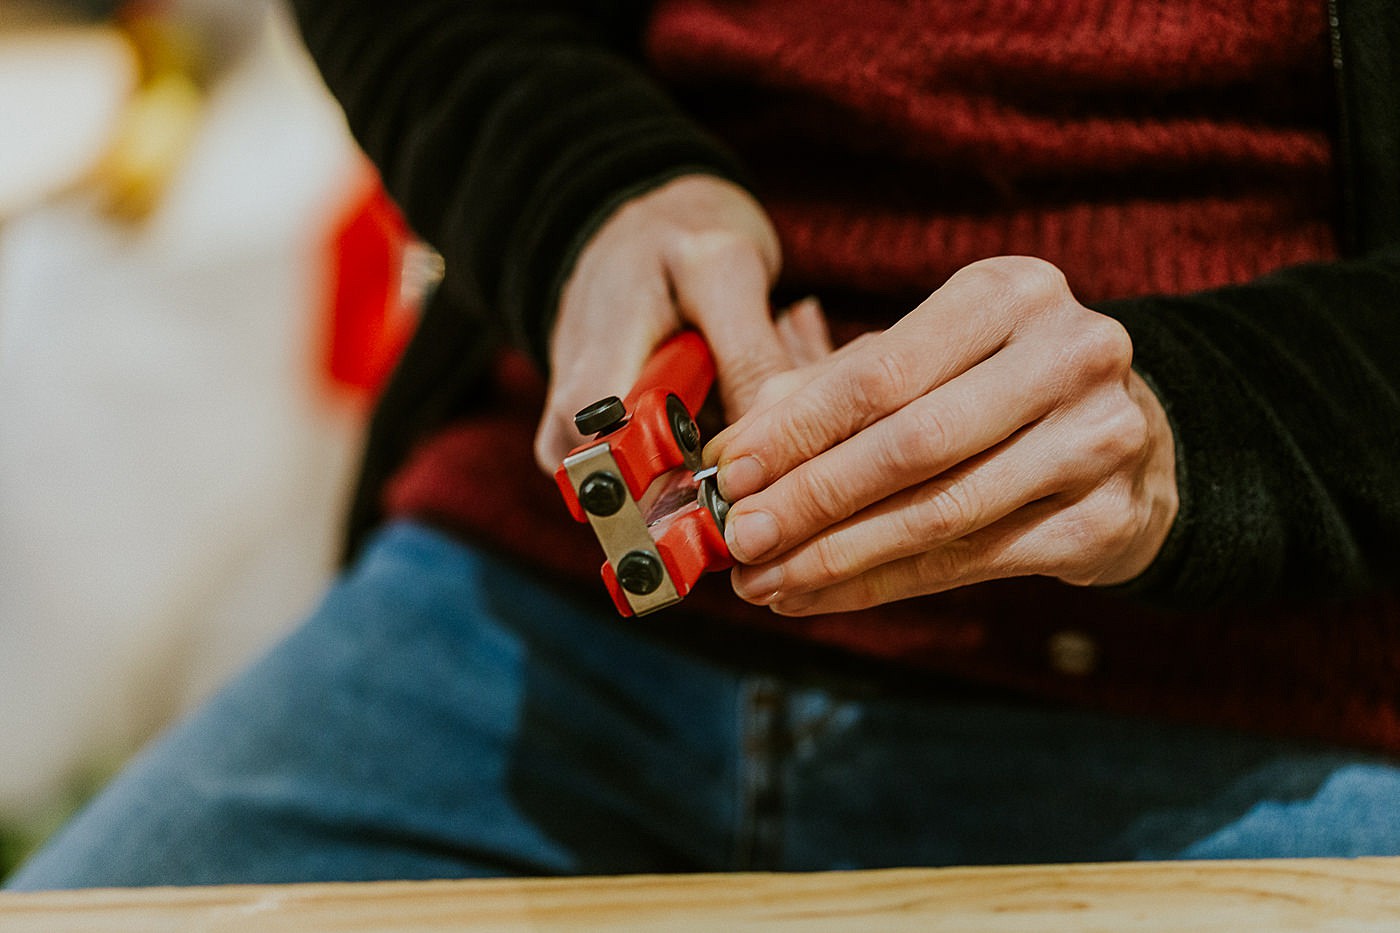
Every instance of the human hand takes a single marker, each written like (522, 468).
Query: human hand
(697, 251)
(997, 430)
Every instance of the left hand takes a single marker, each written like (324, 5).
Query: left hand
(997, 430)
(697, 251)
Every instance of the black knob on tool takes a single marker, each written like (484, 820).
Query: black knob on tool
(639, 573)
(602, 493)
(600, 417)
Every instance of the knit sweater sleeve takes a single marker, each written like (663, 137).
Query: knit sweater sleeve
(1284, 395)
(506, 130)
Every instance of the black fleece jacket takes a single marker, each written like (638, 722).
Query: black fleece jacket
(508, 131)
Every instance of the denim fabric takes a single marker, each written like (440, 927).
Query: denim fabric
(443, 715)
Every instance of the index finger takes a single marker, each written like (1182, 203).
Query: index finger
(936, 342)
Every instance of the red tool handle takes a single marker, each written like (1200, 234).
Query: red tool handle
(682, 366)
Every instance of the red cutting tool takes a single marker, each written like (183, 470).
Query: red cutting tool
(660, 522)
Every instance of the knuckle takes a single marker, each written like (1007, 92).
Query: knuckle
(908, 532)
(1097, 349)
(1079, 528)
(831, 562)
(1109, 343)
(822, 497)
(896, 454)
(1074, 567)
(1096, 530)
(1018, 279)
(1125, 435)
(1111, 435)
(944, 564)
(986, 276)
(945, 514)
(1096, 534)
(696, 250)
(1114, 535)
(1034, 278)
(913, 449)
(799, 430)
(883, 380)
(930, 436)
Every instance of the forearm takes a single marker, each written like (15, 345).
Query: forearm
(1284, 395)
(507, 131)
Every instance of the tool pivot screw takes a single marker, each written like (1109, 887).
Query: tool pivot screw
(688, 435)
(602, 494)
(684, 430)
(639, 573)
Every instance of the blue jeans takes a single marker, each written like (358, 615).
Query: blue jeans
(444, 715)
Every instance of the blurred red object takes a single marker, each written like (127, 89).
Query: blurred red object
(378, 275)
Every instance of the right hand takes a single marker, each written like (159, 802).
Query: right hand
(699, 252)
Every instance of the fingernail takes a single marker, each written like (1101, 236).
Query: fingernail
(794, 604)
(750, 535)
(758, 585)
(740, 478)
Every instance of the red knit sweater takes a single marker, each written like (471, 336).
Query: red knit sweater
(1144, 146)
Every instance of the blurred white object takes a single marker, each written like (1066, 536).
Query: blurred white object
(172, 470)
(61, 93)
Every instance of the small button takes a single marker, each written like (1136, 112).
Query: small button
(1073, 653)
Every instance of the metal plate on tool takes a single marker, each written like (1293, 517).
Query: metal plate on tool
(622, 533)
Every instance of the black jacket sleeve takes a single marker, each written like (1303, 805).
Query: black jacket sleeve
(1284, 395)
(506, 130)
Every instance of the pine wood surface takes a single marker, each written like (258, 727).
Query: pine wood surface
(1328, 895)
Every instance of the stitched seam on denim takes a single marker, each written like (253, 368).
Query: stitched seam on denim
(758, 838)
